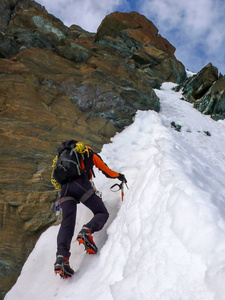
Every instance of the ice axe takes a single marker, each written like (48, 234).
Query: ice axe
(116, 187)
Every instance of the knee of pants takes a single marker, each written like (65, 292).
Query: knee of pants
(98, 222)
(106, 216)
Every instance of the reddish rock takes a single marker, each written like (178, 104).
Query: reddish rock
(135, 26)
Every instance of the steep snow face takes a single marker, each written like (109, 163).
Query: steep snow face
(166, 240)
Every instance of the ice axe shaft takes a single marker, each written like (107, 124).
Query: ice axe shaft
(119, 187)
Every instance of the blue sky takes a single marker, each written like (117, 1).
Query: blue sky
(195, 27)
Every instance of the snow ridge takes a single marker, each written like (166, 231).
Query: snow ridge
(166, 240)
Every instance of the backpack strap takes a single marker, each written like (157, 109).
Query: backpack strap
(78, 159)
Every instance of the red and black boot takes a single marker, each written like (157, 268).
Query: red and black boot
(84, 237)
(62, 267)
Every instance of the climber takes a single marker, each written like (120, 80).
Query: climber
(73, 191)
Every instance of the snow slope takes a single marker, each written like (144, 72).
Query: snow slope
(166, 240)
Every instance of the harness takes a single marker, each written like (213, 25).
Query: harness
(86, 195)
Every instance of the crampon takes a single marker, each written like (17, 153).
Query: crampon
(62, 267)
(84, 237)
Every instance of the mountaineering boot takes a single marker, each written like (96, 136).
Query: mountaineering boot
(85, 237)
(62, 267)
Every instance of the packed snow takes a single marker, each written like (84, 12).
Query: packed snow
(166, 240)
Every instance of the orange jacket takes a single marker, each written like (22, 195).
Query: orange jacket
(92, 159)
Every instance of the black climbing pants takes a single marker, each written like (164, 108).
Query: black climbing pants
(69, 210)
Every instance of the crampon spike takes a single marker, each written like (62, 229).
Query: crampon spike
(86, 239)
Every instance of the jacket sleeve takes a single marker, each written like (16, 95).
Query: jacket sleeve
(99, 163)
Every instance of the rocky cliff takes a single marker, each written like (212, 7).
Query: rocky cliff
(206, 90)
(58, 83)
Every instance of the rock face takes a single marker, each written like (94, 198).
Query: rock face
(133, 36)
(207, 91)
(58, 83)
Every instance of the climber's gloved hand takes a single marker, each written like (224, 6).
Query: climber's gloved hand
(122, 178)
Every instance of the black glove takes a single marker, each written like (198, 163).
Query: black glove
(122, 178)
